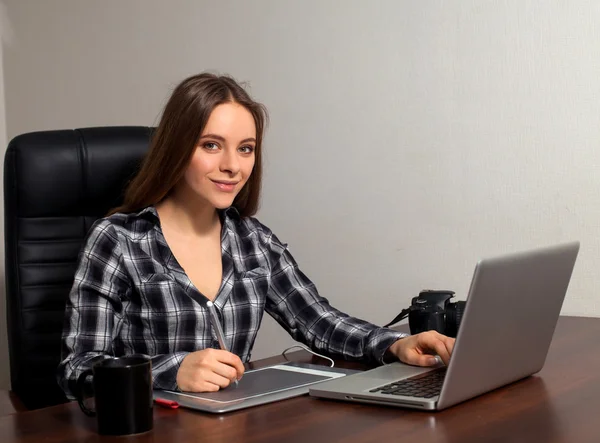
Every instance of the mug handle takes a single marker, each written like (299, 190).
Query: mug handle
(80, 390)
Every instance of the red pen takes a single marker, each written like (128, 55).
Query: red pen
(166, 403)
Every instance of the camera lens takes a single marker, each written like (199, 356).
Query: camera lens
(454, 314)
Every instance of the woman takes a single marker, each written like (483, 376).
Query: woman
(185, 235)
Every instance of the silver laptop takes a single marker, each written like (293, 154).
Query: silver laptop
(509, 320)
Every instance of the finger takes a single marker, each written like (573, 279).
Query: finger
(448, 344)
(216, 379)
(233, 361)
(440, 349)
(226, 365)
(436, 342)
(417, 359)
(224, 370)
(207, 387)
(199, 386)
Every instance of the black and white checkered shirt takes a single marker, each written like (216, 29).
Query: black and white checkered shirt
(130, 296)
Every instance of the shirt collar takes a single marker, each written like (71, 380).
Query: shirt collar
(227, 213)
(150, 210)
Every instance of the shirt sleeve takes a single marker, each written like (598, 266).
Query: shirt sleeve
(94, 313)
(294, 302)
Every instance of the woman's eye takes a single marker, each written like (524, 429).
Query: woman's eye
(247, 149)
(210, 146)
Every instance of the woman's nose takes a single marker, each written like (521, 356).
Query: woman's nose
(230, 162)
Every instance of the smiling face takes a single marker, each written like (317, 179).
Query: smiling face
(224, 156)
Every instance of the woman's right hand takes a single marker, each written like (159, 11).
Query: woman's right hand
(209, 370)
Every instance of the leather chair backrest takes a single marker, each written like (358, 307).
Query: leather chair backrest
(56, 184)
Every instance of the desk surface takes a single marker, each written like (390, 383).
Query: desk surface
(560, 404)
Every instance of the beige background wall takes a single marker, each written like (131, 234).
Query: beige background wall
(407, 140)
(5, 40)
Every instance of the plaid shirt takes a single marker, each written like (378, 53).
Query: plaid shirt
(130, 296)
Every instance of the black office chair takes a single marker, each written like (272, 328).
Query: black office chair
(56, 184)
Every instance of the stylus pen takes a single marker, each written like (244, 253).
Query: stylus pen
(216, 324)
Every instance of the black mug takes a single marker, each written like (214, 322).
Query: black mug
(122, 388)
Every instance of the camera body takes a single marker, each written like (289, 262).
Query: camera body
(432, 310)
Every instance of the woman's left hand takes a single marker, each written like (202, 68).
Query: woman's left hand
(421, 349)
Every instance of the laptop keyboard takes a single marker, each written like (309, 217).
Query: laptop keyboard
(426, 386)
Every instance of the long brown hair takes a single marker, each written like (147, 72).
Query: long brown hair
(173, 143)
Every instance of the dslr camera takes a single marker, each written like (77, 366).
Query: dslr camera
(432, 310)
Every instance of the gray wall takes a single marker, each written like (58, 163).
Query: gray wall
(5, 38)
(407, 139)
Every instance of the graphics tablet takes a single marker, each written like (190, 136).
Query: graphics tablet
(258, 386)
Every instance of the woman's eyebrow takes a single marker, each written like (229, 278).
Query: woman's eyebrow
(246, 140)
(215, 136)
(220, 138)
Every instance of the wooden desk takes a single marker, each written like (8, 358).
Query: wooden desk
(560, 404)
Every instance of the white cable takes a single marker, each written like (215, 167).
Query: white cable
(307, 349)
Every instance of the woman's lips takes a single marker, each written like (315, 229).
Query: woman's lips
(225, 186)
